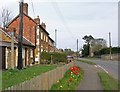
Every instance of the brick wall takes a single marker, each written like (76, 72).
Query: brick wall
(28, 28)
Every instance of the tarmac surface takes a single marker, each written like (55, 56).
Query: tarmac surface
(91, 79)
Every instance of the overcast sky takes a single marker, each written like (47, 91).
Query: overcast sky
(73, 19)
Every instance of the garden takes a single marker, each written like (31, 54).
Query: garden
(70, 80)
(12, 77)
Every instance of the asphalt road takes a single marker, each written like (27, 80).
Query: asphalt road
(110, 66)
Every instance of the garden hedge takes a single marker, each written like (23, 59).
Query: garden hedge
(114, 50)
(56, 57)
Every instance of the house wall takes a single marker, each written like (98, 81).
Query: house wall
(43, 41)
(26, 55)
(5, 37)
(28, 28)
(51, 46)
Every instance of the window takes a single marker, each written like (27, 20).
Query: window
(41, 35)
(31, 53)
(37, 31)
(46, 39)
(37, 36)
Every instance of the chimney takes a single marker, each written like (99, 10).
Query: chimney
(37, 20)
(43, 25)
(25, 8)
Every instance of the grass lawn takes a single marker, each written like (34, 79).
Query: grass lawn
(0, 80)
(92, 58)
(69, 82)
(13, 77)
(108, 82)
(86, 61)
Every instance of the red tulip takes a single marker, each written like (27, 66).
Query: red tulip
(70, 79)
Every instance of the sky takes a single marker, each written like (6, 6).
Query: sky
(73, 19)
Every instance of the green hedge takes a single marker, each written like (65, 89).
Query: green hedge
(56, 57)
(114, 50)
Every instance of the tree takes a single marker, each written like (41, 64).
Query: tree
(98, 44)
(88, 39)
(68, 52)
(5, 14)
(86, 48)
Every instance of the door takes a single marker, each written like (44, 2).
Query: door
(2, 58)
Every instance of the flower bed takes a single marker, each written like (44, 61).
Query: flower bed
(70, 80)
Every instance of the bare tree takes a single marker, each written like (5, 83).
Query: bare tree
(5, 17)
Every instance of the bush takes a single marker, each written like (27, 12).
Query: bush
(56, 57)
(85, 50)
(114, 50)
(45, 57)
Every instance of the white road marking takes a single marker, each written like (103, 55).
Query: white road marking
(95, 65)
(103, 68)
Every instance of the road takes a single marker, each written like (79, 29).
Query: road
(110, 66)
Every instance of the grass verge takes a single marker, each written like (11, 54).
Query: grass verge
(70, 80)
(13, 77)
(86, 61)
(108, 82)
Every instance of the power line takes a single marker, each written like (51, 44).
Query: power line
(33, 8)
(55, 5)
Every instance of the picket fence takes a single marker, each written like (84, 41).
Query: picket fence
(43, 81)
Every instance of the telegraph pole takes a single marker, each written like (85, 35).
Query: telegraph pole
(55, 38)
(12, 50)
(20, 36)
(110, 44)
(77, 48)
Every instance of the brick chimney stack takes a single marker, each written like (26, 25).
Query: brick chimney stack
(37, 20)
(25, 8)
(43, 25)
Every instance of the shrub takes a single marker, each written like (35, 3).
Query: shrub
(114, 50)
(45, 57)
(56, 57)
